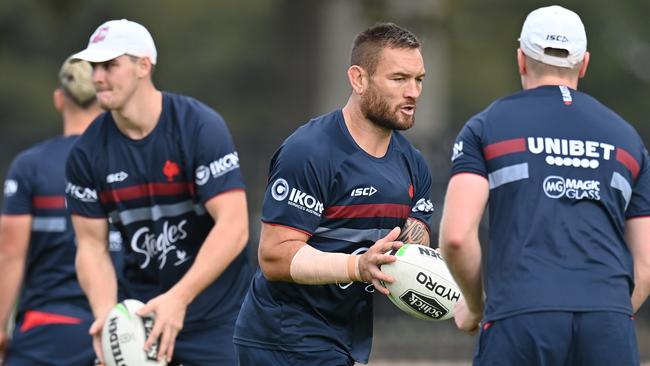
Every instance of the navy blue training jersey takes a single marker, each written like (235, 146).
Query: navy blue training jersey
(35, 186)
(322, 183)
(153, 191)
(564, 173)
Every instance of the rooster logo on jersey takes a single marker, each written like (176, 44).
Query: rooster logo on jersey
(170, 170)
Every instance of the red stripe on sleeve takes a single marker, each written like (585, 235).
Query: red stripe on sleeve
(504, 148)
(48, 202)
(628, 160)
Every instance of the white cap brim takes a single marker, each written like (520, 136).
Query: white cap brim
(536, 52)
(96, 54)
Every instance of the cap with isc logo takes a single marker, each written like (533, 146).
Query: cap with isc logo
(554, 27)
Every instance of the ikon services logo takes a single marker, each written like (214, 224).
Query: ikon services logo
(217, 168)
(11, 187)
(202, 175)
(303, 201)
(280, 189)
(83, 194)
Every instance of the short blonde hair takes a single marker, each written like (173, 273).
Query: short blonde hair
(76, 80)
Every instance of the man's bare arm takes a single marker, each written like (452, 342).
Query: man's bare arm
(637, 235)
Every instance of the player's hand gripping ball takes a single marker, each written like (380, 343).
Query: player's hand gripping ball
(124, 335)
(423, 286)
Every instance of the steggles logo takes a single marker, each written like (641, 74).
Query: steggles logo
(152, 245)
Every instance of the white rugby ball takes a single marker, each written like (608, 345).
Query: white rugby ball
(124, 335)
(423, 286)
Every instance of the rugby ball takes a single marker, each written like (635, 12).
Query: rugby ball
(423, 286)
(124, 334)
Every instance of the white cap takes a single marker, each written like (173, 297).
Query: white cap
(554, 27)
(116, 38)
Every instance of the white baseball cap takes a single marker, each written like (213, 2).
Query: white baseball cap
(554, 27)
(116, 38)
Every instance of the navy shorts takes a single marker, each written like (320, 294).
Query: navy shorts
(55, 335)
(559, 338)
(253, 356)
(210, 345)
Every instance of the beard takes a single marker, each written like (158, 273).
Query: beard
(377, 110)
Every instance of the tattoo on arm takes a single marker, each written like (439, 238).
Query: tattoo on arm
(414, 232)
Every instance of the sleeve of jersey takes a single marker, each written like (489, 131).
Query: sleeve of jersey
(17, 189)
(296, 190)
(640, 199)
(422, 209)
(216, 161)
(81, 192)
(467, 155)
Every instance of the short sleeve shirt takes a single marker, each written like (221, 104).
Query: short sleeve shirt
(564, 174)
(323, 184)
(35, 186)
(153, 191)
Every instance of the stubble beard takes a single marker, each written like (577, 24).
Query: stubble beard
(378, 111)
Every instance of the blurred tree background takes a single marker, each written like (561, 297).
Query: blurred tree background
(269, 65)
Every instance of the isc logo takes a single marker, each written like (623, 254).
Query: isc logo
(557, 37)
(367, 191)
(116, 177)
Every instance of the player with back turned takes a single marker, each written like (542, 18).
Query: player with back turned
(568, 182)
(37, 243)
(340, 188)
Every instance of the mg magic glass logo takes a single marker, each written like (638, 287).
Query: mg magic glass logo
(557, 187)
